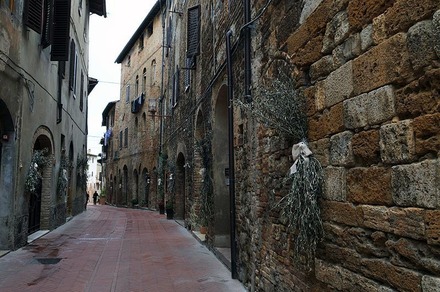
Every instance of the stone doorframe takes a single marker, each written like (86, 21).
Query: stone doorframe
(43, 139)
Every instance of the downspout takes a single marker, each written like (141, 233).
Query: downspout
(231, 155)
(247, 53)
(161, 107)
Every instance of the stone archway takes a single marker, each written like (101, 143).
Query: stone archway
(180, 187)
(220, 168)
(40, 200)
(7, 177)
(135, 193)
(145, 188)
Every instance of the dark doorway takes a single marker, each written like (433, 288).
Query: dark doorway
(35, 209)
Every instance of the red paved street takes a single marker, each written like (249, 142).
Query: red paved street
(116, 249)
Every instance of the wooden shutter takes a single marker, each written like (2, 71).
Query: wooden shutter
(72, 65)
(193, 32)
(61, 30)
(46, 32)
(33, 11)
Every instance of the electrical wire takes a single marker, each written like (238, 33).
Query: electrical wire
(33, 82)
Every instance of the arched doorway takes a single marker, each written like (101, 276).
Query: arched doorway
(220, 167)
(7, 177)
(180, 196)
(39, 197)
(125, 185)
(69, 198)
(135, 194)
(145, 187)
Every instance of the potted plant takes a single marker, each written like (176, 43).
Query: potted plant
(134, 203)
(170, 209)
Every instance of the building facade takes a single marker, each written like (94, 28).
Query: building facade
(358, 84)
(43, 104)
(132, 123)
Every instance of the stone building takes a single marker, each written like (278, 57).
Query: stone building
(44, 85)
(132, 150)
(368, 74)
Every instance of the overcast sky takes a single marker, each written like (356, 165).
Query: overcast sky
(108, 36)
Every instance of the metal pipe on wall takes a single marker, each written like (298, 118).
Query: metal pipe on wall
(231, 154)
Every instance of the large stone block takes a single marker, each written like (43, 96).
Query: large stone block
(401, 279)
(366, 37)
(432, 222)
(336, 31)
(370, 185)
(421, 44)
(345, 280)
(309, 53)
(320, 150)
(327, 123)
(403, 14)
(408, 222)
(365, 147)
(420, 97)
(340, 212)
(397, 144)
(380, 105)
(430, 283)
(341, 153)
(314, 25)
(417, 184)
(322, 68)
(355, 112)
(339, 85)
(413, 255)
(436, 31)
(384, 64)
(335, 184)
(362, 12)
(427, 132)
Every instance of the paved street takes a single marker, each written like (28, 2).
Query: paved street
(115, 249)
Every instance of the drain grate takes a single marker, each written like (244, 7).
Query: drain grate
(48, 261)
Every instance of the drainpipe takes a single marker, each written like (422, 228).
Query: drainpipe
(231, 155)
(161, 107)
(247, 53)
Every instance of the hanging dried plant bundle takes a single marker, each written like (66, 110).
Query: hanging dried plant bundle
(300, 207)
(280, 106)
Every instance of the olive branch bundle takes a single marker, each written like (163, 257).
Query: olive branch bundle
(280, 106)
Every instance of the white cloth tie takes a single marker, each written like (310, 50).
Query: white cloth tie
(297, 150)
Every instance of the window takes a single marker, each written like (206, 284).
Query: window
(136, 87)
(126, 138)
(51, 19)
(141, 42)
(175, 93)
(193, 31)
(73, 67)
(150, 30)
(128, 61)
(10, 4)
(120, 140)
(127, 93)
(153, 72)
(144, 80)
(189, 65)
(80, 7)
(81, 94)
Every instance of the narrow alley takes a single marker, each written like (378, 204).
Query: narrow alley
(115, 249)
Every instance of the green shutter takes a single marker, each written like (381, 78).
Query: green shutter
(33, 11)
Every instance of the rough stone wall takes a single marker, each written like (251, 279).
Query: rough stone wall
(370, 72)
(143, 129)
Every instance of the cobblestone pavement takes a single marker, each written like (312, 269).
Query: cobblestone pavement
(115, 249)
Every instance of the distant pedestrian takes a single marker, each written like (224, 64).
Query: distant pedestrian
(95, 197)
